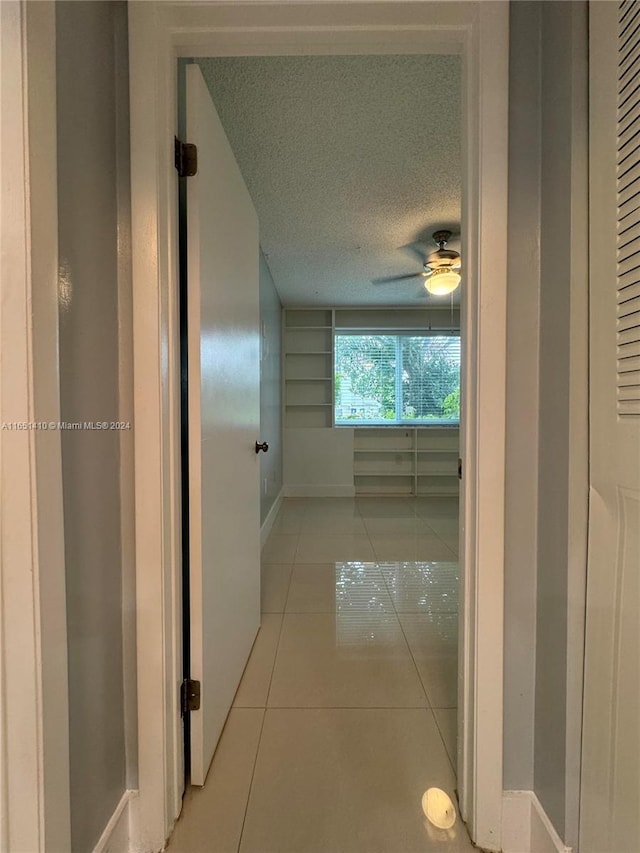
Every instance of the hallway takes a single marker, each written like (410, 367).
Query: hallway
(346, 713)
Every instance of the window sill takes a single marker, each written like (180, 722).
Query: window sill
(398, 424)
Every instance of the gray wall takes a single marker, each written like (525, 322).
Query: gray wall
(547, 373)
(270, 390)
(95, 371)
(563, 415)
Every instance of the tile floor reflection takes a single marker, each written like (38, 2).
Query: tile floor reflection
(346, 712)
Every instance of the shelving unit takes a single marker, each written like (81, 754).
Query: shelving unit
(387, 460)
(308, 367)
(437, 462)
(383, 461)
(406, 460)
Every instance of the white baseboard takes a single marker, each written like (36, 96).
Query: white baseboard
(327, 491)
(116, 834)
(526, 827)
(267, 524)
(516, 821)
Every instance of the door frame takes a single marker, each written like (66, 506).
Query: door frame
(34, 704)
(159, 34)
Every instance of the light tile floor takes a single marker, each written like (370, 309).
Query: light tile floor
(346, 711)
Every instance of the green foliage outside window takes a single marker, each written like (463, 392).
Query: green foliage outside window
(397, 378)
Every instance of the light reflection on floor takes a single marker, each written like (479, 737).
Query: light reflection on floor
(346, 713)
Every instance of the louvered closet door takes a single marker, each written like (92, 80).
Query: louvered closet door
(610, 806)
(628, 214)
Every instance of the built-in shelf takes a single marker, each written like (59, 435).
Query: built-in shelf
(406, 460)
(387, 459)
(306, 328)
(379, 474)
(307, 367)
(308, 318)
(386, 450)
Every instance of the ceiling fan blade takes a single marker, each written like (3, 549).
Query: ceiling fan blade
(391, 279)
(418, 250)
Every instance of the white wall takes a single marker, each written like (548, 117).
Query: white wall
(34, 708)
(318, 462)
(270, 390)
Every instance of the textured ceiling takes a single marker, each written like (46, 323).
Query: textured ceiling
(348, 159)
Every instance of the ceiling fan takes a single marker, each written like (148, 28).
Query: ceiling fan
(440, 268)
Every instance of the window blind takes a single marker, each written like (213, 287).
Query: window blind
(430, 377)
(628, 225)
(397, 378)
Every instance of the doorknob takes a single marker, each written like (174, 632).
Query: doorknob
(264, 447)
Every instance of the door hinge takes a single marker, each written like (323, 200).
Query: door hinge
(186, 158)
(459, 468)
(189, 696)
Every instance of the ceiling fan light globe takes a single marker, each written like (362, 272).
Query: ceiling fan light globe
(442, 281)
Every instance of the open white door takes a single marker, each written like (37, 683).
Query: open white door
(224, 411)
(610, 801)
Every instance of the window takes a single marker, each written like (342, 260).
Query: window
(397, 379)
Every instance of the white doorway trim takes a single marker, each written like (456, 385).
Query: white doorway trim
(34, 709)
(159, 34)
